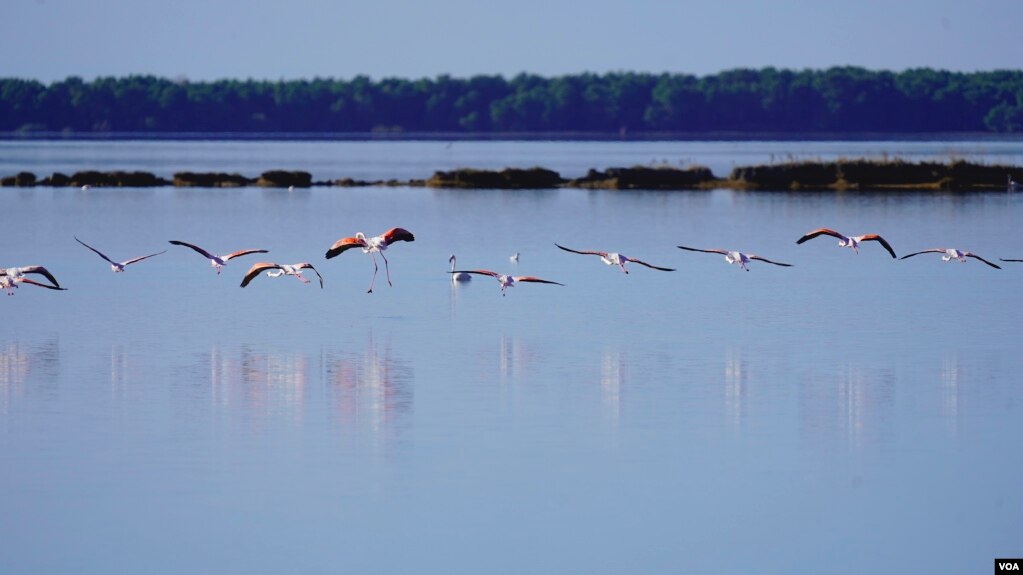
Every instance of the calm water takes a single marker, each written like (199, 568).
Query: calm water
(851, 414)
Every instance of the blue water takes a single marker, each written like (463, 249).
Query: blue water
(850, 414)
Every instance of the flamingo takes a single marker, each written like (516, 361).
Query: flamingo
(460, 276)
(16, 273)
(10, 282)
(953, 254)
(372, 246)
(217, 261)
(278, 270)
(506, 281)
(615, 259)
(848, 241)
(733, 257)
(115, 266)
(514, 258)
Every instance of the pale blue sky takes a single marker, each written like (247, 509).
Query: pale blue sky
(268, 39)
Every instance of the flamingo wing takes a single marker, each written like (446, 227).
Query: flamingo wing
(585, 253)
(99, 253)
(240, 253)
(1005, 260)
(722, 252)
(976, 257)
(343, 245)
(534, 280)
(41, 271)
(306, 265)
(930, 251)
(819, 231)
(398, 235)
(40, 284)
(880, 240)
(205, 253)
(477, 272)
(643, 263)
(140, 258)
(256, 269)
(765, 260)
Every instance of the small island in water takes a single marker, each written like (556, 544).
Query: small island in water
(842, 174)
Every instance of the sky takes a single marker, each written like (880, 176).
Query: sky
(50, 40)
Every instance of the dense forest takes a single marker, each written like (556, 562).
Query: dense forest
(841, 99)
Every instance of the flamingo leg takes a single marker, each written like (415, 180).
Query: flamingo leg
(387, 269)
(301, 279)
(375, 268)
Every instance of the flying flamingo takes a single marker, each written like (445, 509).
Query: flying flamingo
(278, 270)
(372, 246)
(737, 257)
(9, 283)
(953, 254)
(460, 276)
(16, 273)
(505, 281)
(115, 266)
(615, 259)
(847, 241)
(217, 261)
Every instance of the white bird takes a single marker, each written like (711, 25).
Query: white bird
(734, 257)
(514, 258)
(506, 281)
(9, 283)
(953, 254)
(86, 187)
(278, 270)
(615, 259)
(372, 246)
(847, 241)
(115, 266)
(217, 261)
(458, 277)
(1014, 186)
(11, 277)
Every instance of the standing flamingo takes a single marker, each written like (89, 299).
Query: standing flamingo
(733, 257)
(460, 276)
(117, 266)
(217, 261)
(615, 259)
(372, 246)
(953, 254)
(506, 281)
(847, 241)
(278, 270)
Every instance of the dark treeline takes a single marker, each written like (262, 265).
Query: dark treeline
(845, 99)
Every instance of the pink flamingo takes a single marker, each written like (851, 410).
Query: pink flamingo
(847, 241)
(217, 261)
(278, 270)
(117, 266)
(506, 281)
(615, 259)
(372, 246)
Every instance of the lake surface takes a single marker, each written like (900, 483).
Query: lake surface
(850, 414)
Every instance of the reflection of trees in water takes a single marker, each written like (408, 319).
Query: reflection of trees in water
(854, 406)
(22, 365)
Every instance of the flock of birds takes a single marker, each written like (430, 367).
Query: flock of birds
(11, 278)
